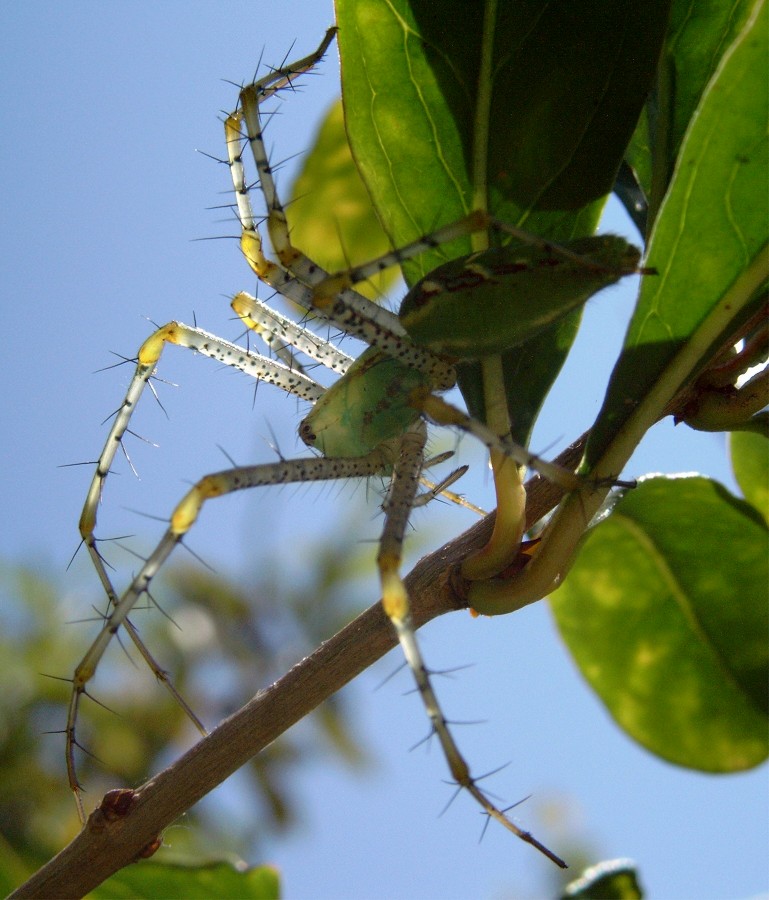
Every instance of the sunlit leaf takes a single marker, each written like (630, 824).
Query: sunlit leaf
(536, 136)
(665, 614)
(698, 36)
(750, 461)
(709, 244)
(330, 213)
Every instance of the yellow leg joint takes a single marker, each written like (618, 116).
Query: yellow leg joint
(83, 674)
(438, 410)
(395, 600)
(150, 350)
(186, 513)
(288, 255)
(87, 521)
(251, 248)
(241, 307)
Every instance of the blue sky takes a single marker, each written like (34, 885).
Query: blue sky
(103, 198)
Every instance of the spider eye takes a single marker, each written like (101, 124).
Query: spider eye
(307, 434)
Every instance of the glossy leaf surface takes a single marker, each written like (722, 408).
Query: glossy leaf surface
(516, 108)
(698, 36)
(710, 244)
(665, 614)
(750, 461)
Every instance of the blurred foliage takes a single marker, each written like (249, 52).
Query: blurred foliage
(330, 210)
(220, 642)
(208, 881)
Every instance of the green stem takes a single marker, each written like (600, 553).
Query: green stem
(565, 529)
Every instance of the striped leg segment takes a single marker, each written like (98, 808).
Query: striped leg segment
(149, 354)
(398, 454)
(183, 518)
(397, 508)
(252, 364)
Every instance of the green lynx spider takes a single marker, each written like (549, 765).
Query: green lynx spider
(397, 454)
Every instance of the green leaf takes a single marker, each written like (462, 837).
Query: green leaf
(152, 879)
(518, 108)
(698, 36)
(528, 371)
(709, 246)
(665, 614)
(750, 462)
(14, 868)
(330, 211)
(614, 879)
(534, 136)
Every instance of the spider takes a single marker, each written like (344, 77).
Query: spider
(372, 421)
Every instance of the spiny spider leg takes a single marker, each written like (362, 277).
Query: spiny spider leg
(196, 339)
(399, 454)
(332, 296)
(395, 601)
(291, 276)
(77, 692)
(302, 281)
(209, 345)
(293, 272)
(182, 519)
(272, 328)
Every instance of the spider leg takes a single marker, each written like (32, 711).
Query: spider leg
(294, 275)
(278, 331)
(149, 354)
(508, 461)
(332, 298)
(395, 601)
(182, 519)
(297, 277)
(196, 339)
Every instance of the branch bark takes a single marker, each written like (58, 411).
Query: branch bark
(116, 835)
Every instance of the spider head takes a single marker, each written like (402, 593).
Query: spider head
(366, 408)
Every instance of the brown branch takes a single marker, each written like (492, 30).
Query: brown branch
(119, 831)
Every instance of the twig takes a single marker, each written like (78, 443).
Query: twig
(108, 842)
